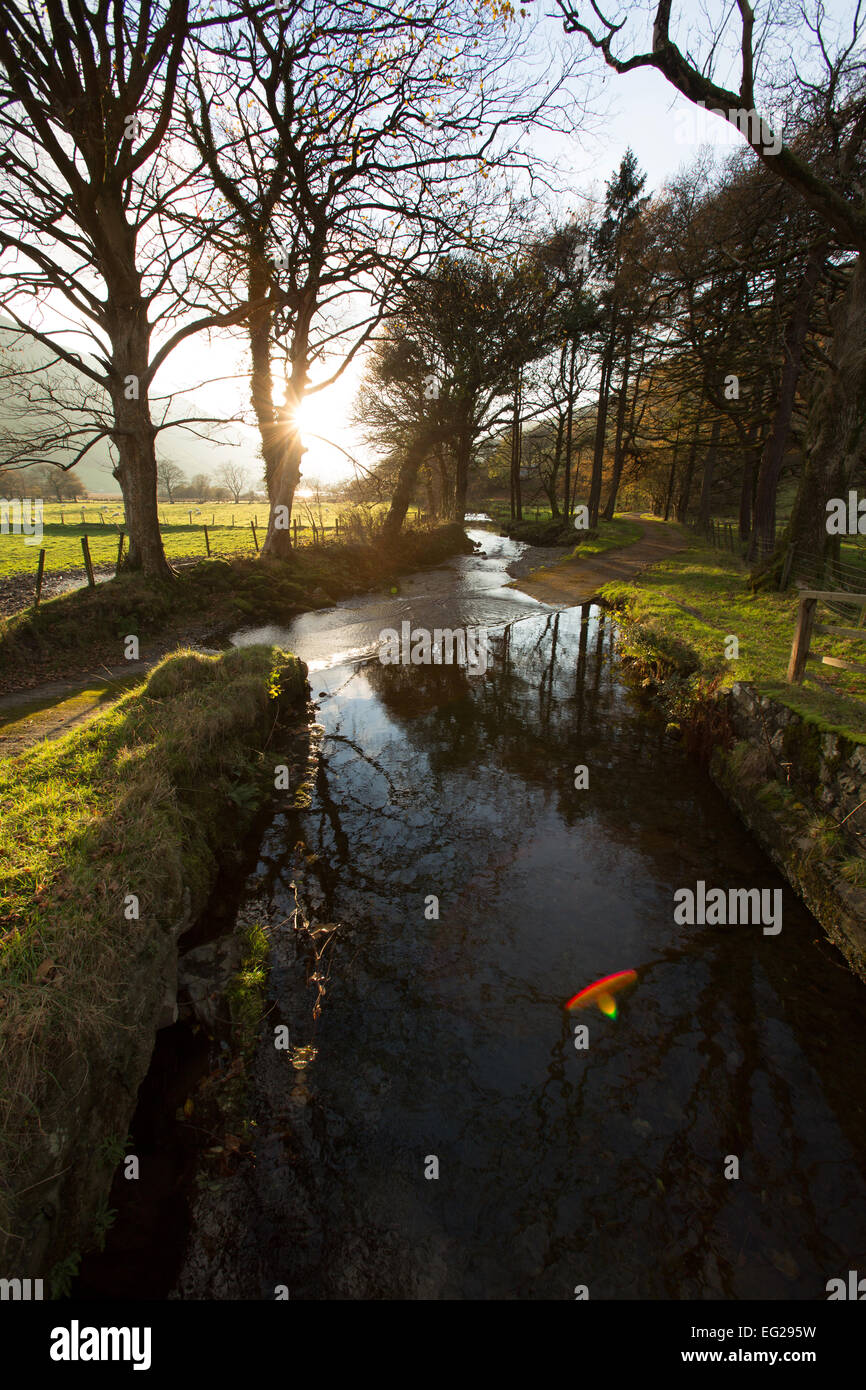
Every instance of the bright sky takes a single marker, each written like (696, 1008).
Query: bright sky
(639, 109)
(661, 127)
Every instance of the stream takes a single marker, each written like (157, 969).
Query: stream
(434, 1132)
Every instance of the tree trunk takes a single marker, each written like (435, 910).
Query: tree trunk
(764, 532)
(516, 452)
(601, 422)
(557, 460)
(461, 481)
(705, 506)
(406, 480)
(620, 425)
(284, 473)
(134, 438)
(568, 433)
(836, 428)
(430, 489)
(672, 475)
(746, 491)
(686, 489)
(259, 277)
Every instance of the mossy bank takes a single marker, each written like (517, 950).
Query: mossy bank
(791, 760)
(112, 837)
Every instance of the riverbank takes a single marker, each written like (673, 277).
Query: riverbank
(114, 835)
(622, 548)
(79, 632)
(790, 759)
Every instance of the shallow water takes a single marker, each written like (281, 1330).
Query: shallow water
(448, 1038)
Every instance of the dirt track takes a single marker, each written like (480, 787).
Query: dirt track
(578, 580)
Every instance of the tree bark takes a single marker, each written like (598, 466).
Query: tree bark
(461, 480)
(705, 505)
(672, 475)
(620, 425)
(283, 471)
(836, 427)
(764, 532)
(568, 433)
(686, 489)
(406, 480)
(134, 438)
(557, 460)
(516, 452)
(601, 422)
(747, 488)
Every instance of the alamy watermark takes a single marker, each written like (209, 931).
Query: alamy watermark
(714, 907)
(846, 517)
(444, 646)
(22, 517)
(700, 124)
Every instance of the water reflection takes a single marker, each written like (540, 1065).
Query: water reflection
(448, 1037)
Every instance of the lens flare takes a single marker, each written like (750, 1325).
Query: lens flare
(602, 992)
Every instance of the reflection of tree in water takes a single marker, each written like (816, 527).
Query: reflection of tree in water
(628, 1209)
(529, 714)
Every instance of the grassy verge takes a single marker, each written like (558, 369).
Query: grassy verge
(90, 626)
(110, 839)
(610, 535)
(683, 610)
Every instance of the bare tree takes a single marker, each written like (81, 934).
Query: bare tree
(87, 97)
(825, 164)
(352, 144)
(234, 478)
(169, 476)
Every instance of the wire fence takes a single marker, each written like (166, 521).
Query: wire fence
(833, 573)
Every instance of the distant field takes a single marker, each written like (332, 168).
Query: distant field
(182, 530)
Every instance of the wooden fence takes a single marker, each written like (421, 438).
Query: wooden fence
(806, 627)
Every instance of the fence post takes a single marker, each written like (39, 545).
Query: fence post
(296, 532)
(119, 550)
(206, 539)
(802, 636)
(39, 573)
(255, 537)
(88, 563)
(189, 514)
(786, 574)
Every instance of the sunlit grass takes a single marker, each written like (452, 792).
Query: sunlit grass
(140, 800)
(701, 597)
(229, 525)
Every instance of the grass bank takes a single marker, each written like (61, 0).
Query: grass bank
(608, 535)
(682, 612)
(790, 759)
(110, 841)
(79, 630)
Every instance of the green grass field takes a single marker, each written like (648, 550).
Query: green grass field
(183, 523)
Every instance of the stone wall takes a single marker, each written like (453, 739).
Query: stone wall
(801, 790)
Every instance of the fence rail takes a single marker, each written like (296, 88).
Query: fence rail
(806, 626)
